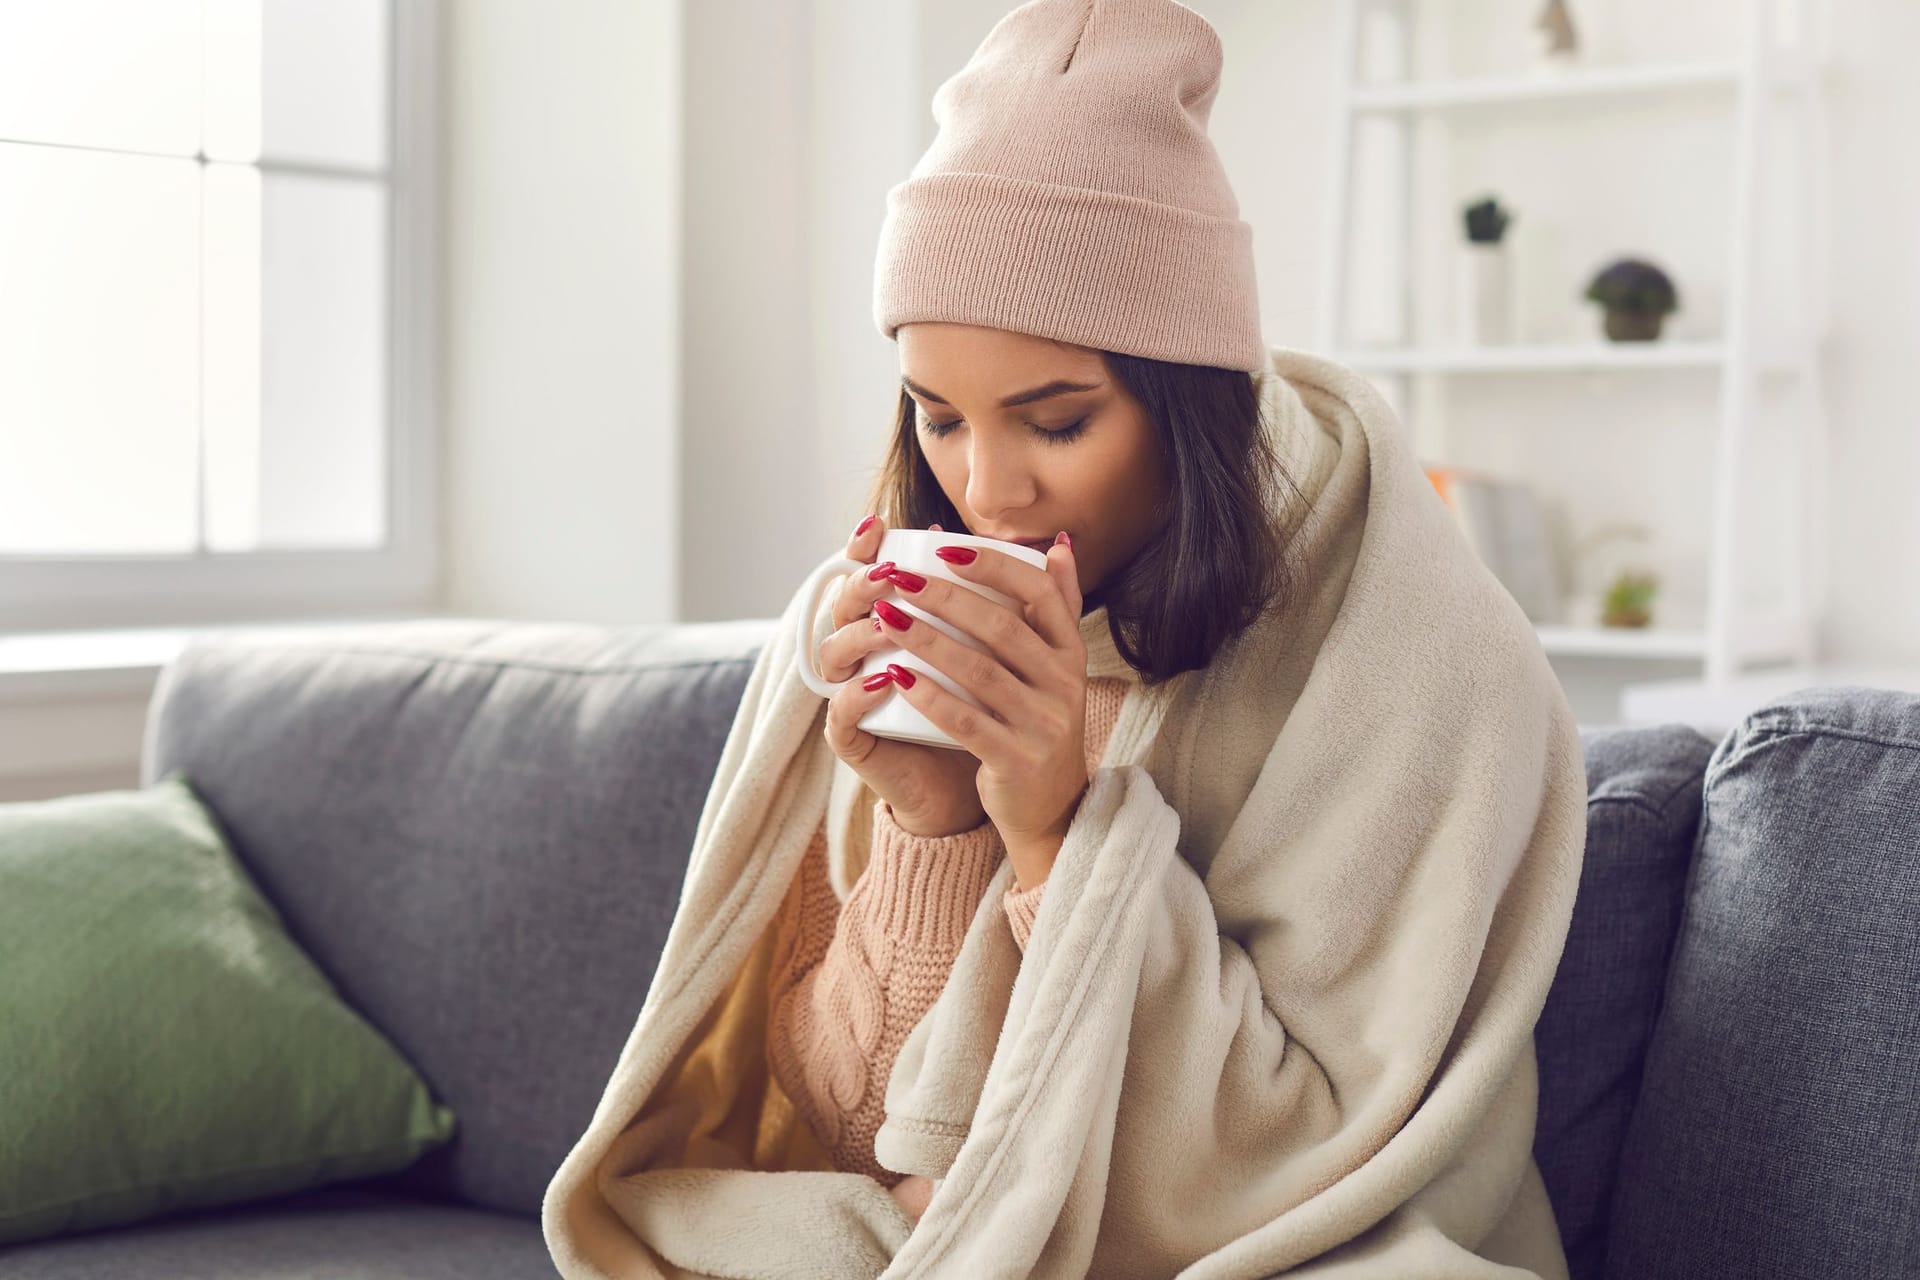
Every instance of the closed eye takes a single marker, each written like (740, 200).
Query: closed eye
(1056, 435)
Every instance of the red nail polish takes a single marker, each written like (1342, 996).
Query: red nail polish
(901, 675)
(892, 615)
(880, 571)
(906, 579)
(865, 525)
(877, 679)
(956, 555)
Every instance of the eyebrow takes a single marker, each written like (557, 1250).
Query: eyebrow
(1058, 387)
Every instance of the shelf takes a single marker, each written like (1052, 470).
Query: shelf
(1571, 84)
(1536, 358)
(1768, 91)
(1622, 642)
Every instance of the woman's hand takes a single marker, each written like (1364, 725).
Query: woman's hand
(912, 1193)
(1033, 682)
(930, 789)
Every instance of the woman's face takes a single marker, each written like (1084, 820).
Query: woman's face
(1079, 456)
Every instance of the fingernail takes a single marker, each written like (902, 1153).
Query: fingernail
(877, 679)
(880, 571)
(956, 555)
(905, 579)
(936, 527)
(865, 524)
(900, 674)
(1062, 540)
(892, 616)
(876, 624)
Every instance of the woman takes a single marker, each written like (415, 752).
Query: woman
(1237, 913)
(1148, 461)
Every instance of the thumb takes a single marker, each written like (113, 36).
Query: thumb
(1065, 573)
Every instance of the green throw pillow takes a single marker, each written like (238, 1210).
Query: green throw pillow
(164, 1044)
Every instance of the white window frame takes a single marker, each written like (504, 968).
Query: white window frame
(87, 591)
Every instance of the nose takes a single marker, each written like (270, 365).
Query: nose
(998, 480)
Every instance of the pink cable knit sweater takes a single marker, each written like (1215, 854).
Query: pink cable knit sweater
(851, 980)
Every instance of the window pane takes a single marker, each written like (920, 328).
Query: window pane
(99, 351)
(299, 462)
(101, 73)
(324, 81)
(230, 91)
(303, 80)
(230, 394)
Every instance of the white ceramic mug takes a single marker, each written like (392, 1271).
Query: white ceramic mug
(910, 549)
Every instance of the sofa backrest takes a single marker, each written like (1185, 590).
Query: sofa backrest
(479, 831)
(1643, 808)
(1778, 1127)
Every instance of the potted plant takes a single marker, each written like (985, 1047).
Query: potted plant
(1486, 298)
(1612, 568)
(1629, 600)
(1636, 297)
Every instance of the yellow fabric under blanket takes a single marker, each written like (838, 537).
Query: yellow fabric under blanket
(738, 1116)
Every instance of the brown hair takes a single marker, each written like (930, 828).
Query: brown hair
(1217, 560)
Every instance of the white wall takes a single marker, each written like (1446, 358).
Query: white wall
(1875, 256)
(797, 123)
(564, 321)
(800, 117)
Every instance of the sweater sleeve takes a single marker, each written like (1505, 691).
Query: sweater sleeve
(1021, 906)
(851, 980)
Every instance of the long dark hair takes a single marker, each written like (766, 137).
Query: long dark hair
(1217, 560)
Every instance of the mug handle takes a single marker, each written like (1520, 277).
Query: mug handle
(803, 654)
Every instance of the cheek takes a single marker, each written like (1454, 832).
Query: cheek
(1128, 487)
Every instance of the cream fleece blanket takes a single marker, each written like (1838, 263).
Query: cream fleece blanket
(1276, 1013)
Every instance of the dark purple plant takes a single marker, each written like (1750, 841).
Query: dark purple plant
(1486, 221)
(1634, 286)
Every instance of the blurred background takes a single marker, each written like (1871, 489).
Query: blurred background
(319, 311)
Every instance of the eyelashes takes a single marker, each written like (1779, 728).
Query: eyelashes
(1060, 435)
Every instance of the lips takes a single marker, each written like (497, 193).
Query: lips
(1040, 544)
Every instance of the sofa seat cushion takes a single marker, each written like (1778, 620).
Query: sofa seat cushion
(345, 1231)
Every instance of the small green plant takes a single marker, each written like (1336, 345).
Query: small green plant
(1486, 221)
(1629, 599)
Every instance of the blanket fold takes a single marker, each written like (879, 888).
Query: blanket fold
(1275, 1012)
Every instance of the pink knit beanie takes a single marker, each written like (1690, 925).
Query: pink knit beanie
(1072, 192)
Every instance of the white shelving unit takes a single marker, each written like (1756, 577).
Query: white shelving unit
(1772, 85)
(1576, 85)
(1567, 356)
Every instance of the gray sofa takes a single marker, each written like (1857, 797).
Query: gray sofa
(478, 830)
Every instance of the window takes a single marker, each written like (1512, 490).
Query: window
(216, 273)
